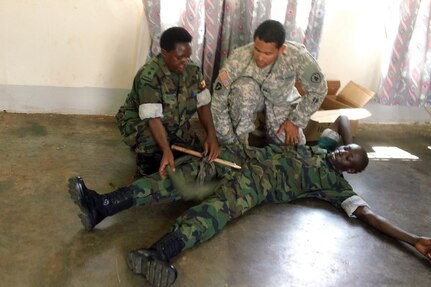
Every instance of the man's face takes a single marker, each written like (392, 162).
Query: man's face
(177, 59)
(266, 53)
(347, 158)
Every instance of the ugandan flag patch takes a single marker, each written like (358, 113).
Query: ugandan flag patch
(203, 85)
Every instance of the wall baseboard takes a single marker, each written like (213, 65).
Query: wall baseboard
(61, 100)
(396, 114)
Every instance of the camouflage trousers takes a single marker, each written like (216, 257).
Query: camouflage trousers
(245, 101)
(265, 177)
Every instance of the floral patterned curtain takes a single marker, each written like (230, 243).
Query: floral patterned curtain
(314, 27)
(240, 19)
(219, 26)
(311, 36)
(407, 81)
(152, 11)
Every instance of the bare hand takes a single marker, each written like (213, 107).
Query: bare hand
(291, 132)
(167, 159)
(423, 245)
(211, 148)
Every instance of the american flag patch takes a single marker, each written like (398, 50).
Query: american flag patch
(224, 79)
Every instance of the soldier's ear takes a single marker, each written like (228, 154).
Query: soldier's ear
(352, 171)
(282, 49)
(163, 52)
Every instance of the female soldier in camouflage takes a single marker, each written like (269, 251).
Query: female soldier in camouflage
(166, 93)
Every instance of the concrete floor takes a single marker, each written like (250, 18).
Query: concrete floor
(307, 243)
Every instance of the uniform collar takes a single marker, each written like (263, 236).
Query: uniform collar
(332, 166)
(162, 64)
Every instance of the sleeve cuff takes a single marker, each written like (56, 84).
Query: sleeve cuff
(294, 118)
(147, 111)
(352, 203)
(203, 98)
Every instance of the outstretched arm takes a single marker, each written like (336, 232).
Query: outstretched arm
(422, 244)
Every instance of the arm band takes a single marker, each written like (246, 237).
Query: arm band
(352, 203)
(147, 111)
(203, 98)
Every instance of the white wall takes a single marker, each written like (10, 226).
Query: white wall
(352, 41)
(54, 55)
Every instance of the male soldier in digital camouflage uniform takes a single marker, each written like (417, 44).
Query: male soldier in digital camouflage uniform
(273, 174)
(166, 93)
(261, 76)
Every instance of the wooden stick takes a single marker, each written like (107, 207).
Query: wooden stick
(198, 154)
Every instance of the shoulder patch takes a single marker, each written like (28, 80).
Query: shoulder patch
(316, 78)
(149, 71)
(225, 79)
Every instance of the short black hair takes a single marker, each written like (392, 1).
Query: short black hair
(364, 159)
(271, 31)
(172, 36)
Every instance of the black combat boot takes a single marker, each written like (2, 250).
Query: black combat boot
(94, 206)
(153, 263)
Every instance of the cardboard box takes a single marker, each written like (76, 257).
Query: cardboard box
(348, 102)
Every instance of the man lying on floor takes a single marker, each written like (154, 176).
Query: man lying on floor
(273, 174)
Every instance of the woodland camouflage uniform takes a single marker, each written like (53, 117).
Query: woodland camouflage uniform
(177, 93)
(273, 174)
